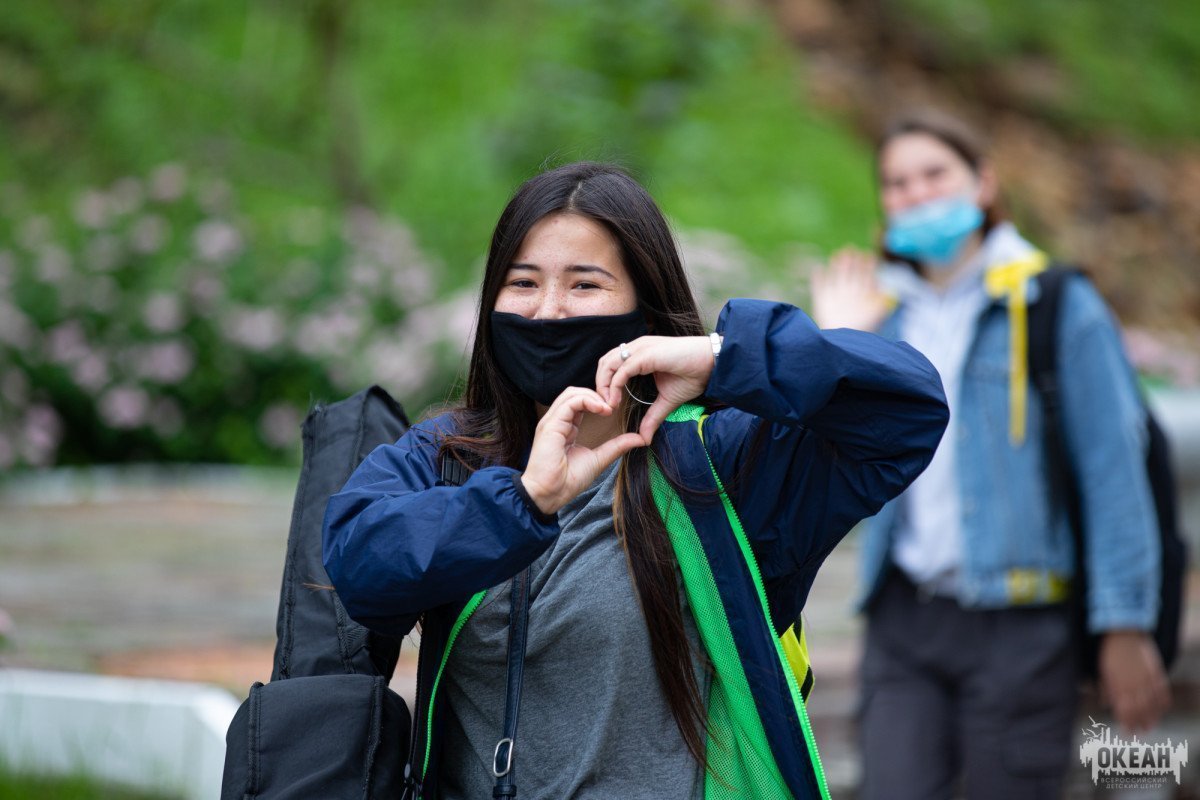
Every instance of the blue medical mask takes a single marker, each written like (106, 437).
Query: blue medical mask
(934, 232)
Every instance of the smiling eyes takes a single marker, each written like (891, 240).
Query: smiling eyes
(526, 283)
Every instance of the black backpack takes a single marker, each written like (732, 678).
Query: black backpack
(327, 725)
(1043, 369)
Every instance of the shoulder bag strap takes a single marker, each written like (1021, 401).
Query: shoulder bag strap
(1043, 369)
(455, 473)
(518, 626)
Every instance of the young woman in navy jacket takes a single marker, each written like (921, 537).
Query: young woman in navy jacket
(606, 430)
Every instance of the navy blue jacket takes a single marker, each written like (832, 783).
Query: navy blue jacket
(820, 429)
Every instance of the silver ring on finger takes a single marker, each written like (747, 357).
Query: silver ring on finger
(624, 353)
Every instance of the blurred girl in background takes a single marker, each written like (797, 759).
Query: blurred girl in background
(970, 667)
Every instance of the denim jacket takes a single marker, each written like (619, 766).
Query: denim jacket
(1017, 548)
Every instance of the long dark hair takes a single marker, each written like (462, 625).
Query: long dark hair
(956, 134)
(495, 423)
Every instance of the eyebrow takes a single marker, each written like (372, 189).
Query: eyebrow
(578, 268)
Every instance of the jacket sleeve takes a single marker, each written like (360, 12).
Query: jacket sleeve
(825, 427)
(396, 544)
(1105, 429)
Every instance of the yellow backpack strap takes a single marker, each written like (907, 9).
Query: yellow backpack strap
(1011, 281)
(793, 641)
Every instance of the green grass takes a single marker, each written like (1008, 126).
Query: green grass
(24, 787)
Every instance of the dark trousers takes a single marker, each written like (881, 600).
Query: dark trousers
(987, 698)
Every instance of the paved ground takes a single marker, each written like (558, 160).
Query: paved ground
(102, 570)
(176, 574)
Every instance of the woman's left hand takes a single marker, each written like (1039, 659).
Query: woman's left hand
(680, 366)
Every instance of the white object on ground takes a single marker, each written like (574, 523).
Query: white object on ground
(164, 736)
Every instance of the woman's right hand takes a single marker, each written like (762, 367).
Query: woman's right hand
(846, 294)
(559, 467)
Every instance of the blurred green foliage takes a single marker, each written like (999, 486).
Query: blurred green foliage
(187, 258)
(280, 122)
(433, 111)
(1123, 65)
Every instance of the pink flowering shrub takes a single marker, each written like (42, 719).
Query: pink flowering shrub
(153, 320)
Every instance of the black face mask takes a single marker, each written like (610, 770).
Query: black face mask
(544, 356)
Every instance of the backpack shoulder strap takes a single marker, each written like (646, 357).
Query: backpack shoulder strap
(1043, 329)
(793, 641)
(455, 472)
(1044, 316)
(688, 412)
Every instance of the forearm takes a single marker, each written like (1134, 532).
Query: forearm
(873, 398)
(395, 555)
